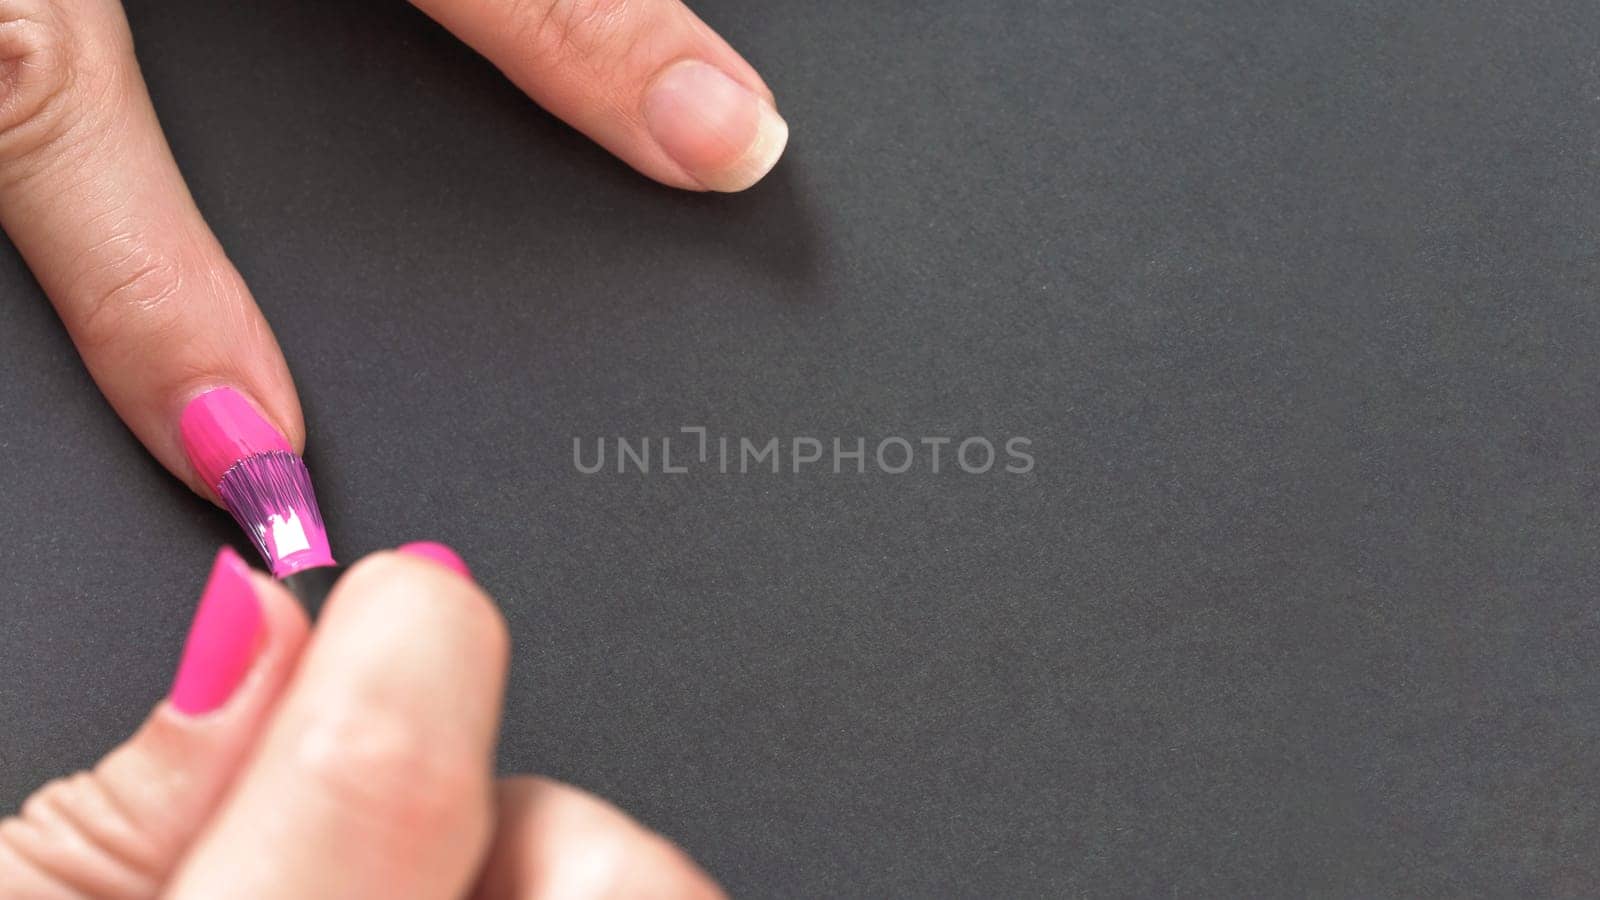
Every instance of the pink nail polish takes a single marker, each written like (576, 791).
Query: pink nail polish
(220, 427)
(438, 553)
(222, 640)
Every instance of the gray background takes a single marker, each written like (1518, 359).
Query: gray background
(1296, 301)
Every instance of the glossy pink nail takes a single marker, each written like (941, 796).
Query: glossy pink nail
(222, 640)
(219, 428)
(438, 553)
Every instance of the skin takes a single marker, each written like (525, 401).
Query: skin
(354, 761)
(90, 195)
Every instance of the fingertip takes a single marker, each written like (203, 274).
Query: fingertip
(648, 80)
(118, 829)
(376, 767)
(245, 628)
(439, 553)
(223, 641)
(390, 592)
(725, 135)
(556, 840)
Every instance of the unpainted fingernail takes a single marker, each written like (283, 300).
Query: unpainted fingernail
(724, 134)
(439, 553)
(222, 640)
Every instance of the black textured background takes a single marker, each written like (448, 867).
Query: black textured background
(1297, 302)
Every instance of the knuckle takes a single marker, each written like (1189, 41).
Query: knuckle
(124, 279)
(559, 32)
(393, 774)
(73, 834)
(36, 52)
(52, 71)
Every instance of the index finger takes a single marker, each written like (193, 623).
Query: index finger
(92, 198)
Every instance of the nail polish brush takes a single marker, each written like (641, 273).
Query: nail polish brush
(266, 487)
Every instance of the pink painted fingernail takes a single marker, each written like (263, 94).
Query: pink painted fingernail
(220, 427)
(222, 640)
(723, 133)
(438, 553)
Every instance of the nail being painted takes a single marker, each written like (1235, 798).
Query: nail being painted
(264, 485)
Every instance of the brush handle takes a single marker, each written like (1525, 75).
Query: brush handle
(312, 586)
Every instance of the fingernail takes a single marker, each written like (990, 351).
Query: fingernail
(221, 427)
(222, 640)
(725, 135)
(438, 553)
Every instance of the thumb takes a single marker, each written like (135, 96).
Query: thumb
(118, 830)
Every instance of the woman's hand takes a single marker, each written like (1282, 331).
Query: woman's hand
(91, 196)
(353, 761)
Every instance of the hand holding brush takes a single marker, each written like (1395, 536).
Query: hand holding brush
(353, 761)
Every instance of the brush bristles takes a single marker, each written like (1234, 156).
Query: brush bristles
(271, 498)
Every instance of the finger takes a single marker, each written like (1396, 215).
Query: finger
(373, 779)
(119, 829)
(91, 196)
(556, 841)
(646, 79)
